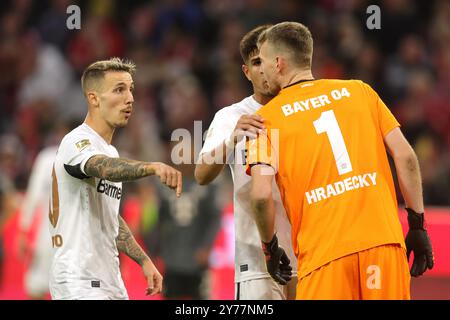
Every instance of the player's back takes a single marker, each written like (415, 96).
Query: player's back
(333, 171)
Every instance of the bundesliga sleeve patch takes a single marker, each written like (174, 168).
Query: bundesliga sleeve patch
(82, 144)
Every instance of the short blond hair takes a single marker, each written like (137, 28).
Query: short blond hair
(96, 71)
(292, 37)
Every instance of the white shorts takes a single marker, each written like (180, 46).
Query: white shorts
(265, 289)
(95, 296)
(82, 290)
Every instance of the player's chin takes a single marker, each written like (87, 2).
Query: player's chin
(273, 91)
(265, 89)
(121, 124)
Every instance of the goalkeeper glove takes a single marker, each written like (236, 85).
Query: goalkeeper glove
(277, 261)
(417, 241)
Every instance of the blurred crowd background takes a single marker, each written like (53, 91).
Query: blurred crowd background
(189, 67)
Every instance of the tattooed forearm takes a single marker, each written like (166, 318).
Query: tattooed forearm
(116, 169)
(128, 245)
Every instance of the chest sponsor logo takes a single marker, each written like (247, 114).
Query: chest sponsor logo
(109, 189)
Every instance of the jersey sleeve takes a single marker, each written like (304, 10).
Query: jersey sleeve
(261, 151)
(386, 119)
(219, 130)
(75, 152)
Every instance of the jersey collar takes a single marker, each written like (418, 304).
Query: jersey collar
(299, 81)
(95, 133)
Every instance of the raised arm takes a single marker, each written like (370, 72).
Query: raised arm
(205, 171)
(127, 244)
(121, 169)
(211, 163)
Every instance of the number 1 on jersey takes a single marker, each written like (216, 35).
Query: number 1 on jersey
(328, 123)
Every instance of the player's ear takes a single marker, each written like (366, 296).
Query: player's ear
(246, 70)
(92, 98)
(280, 63)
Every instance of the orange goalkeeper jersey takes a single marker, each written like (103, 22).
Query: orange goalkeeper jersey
(325, 139)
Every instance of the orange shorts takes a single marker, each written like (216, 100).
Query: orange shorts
(380, 273)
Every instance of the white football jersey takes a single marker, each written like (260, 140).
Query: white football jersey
(36, 203)
(84, 222)
(249, 258)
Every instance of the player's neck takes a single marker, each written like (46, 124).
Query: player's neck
(101, 127)
(296, 76)
(261, 98)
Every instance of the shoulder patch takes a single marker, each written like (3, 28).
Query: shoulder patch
(82, 144)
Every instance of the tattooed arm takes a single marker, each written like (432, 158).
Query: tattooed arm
(121, 169)
(128, 245)
(117, 169)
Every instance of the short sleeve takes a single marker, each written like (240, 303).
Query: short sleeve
(386, 119)
(261, 151)
(75, 152)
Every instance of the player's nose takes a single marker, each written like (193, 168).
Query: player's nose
(130, 97)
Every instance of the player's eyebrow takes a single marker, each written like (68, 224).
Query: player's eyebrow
(123, 84)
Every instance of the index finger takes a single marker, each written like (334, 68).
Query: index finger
(179, 184)
(256, 117)
(253, 116)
